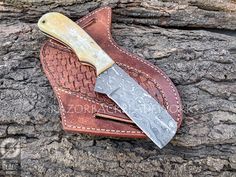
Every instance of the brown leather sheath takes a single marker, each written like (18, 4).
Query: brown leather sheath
(85, 111)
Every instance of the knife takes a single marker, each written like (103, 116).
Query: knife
(111, 80)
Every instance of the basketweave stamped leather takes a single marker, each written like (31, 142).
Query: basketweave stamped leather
(85, 111)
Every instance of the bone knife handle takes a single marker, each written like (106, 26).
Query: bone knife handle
(65, 30)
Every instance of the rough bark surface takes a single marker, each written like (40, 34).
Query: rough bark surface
(194, 42)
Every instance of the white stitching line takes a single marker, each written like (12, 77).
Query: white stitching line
(121, 64)
(101, 104)
(122, 50)
(143, 61)
(158, 86)
(86, 99)
(139, 71)
(80, 127)
(87, 128)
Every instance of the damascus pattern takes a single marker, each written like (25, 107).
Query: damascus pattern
(139, 106)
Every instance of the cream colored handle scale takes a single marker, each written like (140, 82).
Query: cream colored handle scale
(65, 30)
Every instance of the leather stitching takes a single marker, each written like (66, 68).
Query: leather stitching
(143, 61)
(127, 53)
(87, 99)
(134, 56)
(95, 100)
(88, 128)
(120, 64)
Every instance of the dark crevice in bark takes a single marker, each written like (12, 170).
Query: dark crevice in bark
(194, 44)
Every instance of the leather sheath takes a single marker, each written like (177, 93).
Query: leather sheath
(85, 111)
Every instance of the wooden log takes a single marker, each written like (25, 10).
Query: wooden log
(194, 42)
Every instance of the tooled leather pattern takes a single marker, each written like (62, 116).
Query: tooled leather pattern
(70, 74)
(74, 82)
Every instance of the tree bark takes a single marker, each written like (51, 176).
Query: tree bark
(194, 42)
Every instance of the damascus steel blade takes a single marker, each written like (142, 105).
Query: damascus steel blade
(138, 105)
